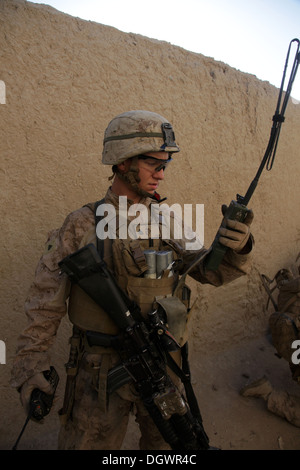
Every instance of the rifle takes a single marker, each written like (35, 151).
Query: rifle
(144, 352)
(40, 402)
(238, 210)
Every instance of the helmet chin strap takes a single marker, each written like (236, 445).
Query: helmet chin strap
(131, 177)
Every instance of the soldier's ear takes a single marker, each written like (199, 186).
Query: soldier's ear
(123, 167)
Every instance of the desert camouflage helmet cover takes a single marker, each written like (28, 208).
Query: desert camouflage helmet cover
(134, 133)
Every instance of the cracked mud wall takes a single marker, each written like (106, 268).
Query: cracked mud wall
(65, 79)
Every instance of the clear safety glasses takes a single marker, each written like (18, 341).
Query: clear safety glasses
(154, 164)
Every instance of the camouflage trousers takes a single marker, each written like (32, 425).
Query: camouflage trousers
(285, 405)
(91, 427)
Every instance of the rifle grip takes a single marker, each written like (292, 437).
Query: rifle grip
(235, 211)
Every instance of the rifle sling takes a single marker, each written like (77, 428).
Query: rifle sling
(184, 375)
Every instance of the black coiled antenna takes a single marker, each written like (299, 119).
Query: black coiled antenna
(278, 119)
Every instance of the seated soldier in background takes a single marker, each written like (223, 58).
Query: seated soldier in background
(285, 330)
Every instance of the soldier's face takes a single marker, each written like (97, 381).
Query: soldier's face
(151, 171)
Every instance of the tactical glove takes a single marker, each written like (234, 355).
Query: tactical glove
(36, 381)
(234, 234)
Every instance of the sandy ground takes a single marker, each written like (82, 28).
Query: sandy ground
(232, 422)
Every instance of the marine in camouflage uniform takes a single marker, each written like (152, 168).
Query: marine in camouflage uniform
(138, 145)
(285, 322)
(285, 329)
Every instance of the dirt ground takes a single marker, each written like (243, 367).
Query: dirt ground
(232, 422)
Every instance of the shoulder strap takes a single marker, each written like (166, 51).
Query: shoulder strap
(100, 243)
(93, 207)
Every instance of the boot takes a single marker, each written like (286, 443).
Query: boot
(259, 388)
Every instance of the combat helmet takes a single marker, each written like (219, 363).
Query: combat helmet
(135, 133)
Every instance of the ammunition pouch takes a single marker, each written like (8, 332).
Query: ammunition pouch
(145, 291)
(175, 314)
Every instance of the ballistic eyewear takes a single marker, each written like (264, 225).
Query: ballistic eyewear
(152, 162)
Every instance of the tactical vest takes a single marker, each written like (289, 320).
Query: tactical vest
(125, 258)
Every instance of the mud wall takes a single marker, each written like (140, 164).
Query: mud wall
(65, 78)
